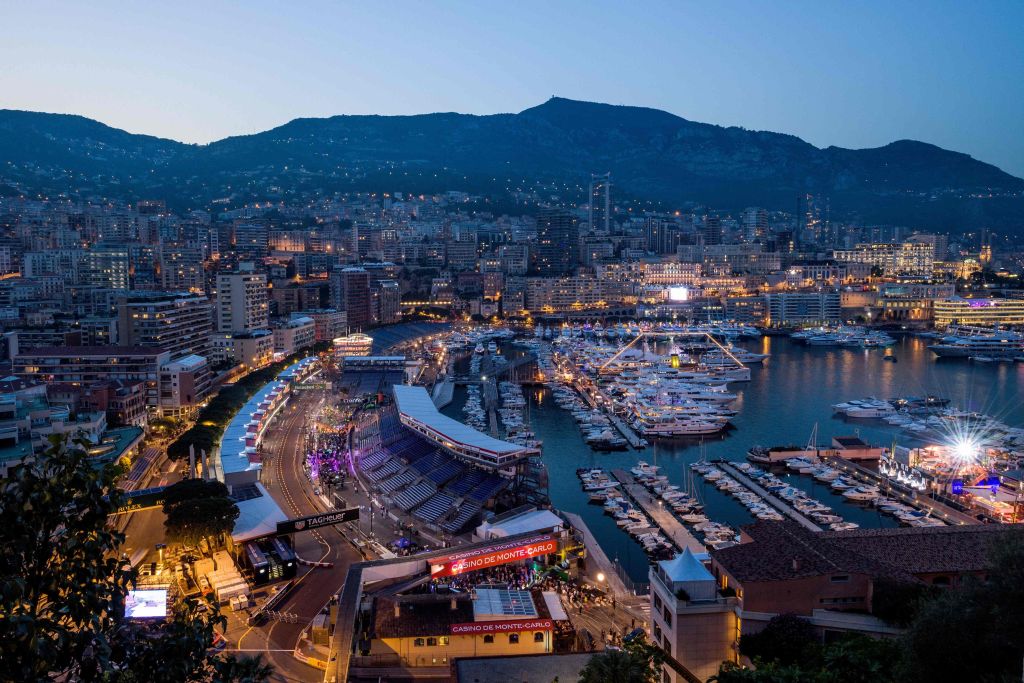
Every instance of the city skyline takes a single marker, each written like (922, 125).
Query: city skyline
(851, 77)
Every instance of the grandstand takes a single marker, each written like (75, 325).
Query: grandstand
(417, 477)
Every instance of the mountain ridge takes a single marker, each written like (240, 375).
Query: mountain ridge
(652, 154)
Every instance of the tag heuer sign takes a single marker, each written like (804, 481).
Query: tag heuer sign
(316, 521)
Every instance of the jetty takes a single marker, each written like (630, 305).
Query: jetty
(627, 432)
(596, 554)
(776, 503)
(657, 511)
(938, 509)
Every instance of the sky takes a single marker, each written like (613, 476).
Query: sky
(851, 74)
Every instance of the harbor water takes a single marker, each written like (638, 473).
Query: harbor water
(787, 396)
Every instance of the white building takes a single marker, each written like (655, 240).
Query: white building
(295, 334)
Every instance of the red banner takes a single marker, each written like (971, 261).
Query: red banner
(510, 626)
(492, 556)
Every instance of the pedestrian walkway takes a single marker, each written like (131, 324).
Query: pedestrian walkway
(596, 558)
(662, 516)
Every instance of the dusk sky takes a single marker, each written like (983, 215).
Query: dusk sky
(849, 74)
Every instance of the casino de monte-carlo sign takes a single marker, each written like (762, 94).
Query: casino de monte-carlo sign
(493, 555)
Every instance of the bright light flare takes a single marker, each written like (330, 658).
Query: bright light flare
(965, 450)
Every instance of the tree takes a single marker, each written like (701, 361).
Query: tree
(617, 666)
(63, 587)
(976, 630)
(197, 509)
(786, 639)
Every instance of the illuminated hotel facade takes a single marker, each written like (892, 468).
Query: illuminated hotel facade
(959, 311)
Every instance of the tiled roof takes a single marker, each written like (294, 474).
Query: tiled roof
(784, 550)
(926, 550)
(420, 615)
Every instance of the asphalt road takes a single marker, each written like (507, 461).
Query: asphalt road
(286, 481)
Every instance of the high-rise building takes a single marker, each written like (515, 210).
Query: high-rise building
(252, 239)
(387, 302)
(558, 245)
(355, 297)
(242, 302)
(755, 223)
(600, 202)
(107, 265)
(177, 322)
(711, 230)
(181, 268)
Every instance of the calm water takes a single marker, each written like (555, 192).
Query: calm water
(794, 389)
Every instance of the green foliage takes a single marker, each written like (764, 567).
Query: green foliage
(213, 419)
(786, 639)
(63, 586)
(972, 632)
(855, 659)
(197, 509)
(618, 666)
(897, 602)
(986, 617)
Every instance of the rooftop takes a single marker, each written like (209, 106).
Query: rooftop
(99, 351)
(415, 403)
(784, 550)
(257, 516)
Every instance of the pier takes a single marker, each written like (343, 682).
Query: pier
(662, 516)
(779, 505)
(624, 429)
(596, 553)
(920, 501)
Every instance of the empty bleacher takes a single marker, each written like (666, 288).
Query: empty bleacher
(489, 487)
(414, 495)
(446, 472)
(467, 513)
(436, 507)
(397, 481)
(386, 470)
(463, 485)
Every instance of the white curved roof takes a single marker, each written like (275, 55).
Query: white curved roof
(415, 403)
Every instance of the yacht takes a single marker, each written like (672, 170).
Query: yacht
(479, 348)
(980, 342)
(492, 347)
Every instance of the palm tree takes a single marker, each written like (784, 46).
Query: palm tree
(617, 666)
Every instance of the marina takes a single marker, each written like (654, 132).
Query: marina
(779, 505)
(766, 415)
(666, 521)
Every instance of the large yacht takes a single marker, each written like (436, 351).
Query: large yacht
(962, 342)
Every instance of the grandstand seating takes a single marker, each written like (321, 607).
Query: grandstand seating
(414, 495)
(374, 460)
(446, 472)
(385, 470)
(489, 487)
(397, 481)
(464, 485)
(467, 513)
(436, 507)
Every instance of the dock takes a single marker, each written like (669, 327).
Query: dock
(662, 516)
(920, 501)
(596, 553)
(627, 432)
(776, 503)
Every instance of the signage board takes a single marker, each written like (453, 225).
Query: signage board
(509, 626)
(316, 521)
(493, 555)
